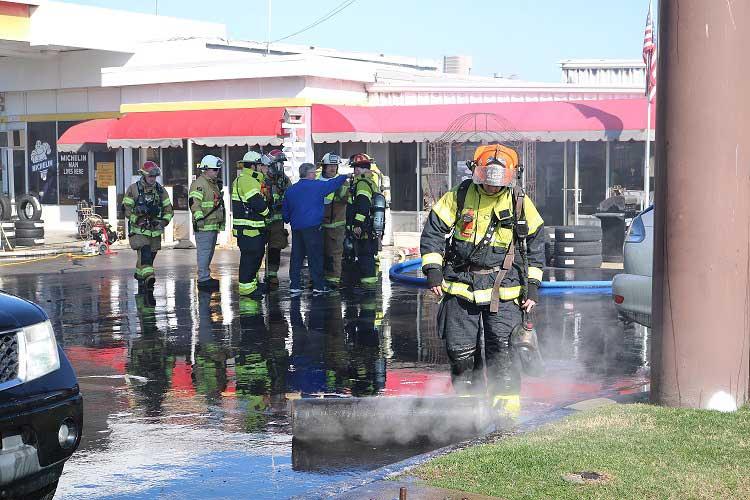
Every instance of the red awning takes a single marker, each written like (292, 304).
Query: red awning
(90, 135)
(615, 119)
(211, 127)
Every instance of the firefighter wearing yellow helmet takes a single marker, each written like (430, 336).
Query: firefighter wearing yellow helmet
(487, 274)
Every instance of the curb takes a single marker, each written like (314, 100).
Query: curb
(352, 488)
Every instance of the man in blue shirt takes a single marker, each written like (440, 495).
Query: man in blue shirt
(303, 208)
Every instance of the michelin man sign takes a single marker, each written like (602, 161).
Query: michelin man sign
(43, 161)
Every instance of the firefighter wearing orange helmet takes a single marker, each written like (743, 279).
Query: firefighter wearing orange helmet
(487, 273)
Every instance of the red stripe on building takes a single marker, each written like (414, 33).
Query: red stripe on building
(14, 9)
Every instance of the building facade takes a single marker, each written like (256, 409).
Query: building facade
(53, 79)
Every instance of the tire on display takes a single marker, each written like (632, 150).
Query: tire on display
(29, 224)
(29, 242)
(28, 207)
(579, 261)
(6, 208)
(578, 233)
(564, 248)
(30, 233)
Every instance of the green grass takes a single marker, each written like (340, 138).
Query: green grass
(648, 451)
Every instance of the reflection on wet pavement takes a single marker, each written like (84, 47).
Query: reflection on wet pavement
(191, 398)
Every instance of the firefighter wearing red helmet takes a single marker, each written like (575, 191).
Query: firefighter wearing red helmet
(487, 272)
(359, 219)
(148, 210)
(276, 184)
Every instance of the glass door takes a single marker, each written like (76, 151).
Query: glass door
(4, 172)
(571, 189)
(18, 160)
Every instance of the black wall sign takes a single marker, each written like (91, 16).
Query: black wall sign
(42, 147)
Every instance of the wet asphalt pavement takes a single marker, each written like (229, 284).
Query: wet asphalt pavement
(190, 398)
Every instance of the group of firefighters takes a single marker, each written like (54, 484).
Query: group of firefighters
(352, 225)
(482, 250)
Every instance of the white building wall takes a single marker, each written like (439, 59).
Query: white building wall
(65, 70)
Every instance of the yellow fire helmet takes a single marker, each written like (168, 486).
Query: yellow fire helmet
(495, 165)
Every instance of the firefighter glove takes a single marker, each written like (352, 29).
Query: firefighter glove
(434, 277)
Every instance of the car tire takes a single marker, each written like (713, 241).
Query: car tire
(549, 231)
(29, 224)
(578, 233)
(28, 207)
(30, 233)
(564, 248)
(29, 242)
(579, 261)
(6, 208)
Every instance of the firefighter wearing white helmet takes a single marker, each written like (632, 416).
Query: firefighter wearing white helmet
(207, 207)
(334, 221)
(249, 223)
(488, 273)
(148, 210)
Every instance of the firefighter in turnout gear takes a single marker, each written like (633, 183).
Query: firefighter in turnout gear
(487, 273)
(359, 219)
(276, 184)
(334, 221)
(249, 225)
(207, 207)
(148, 210)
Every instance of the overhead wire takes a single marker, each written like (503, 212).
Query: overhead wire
(343, 5)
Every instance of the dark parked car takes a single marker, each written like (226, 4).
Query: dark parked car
(41, 408)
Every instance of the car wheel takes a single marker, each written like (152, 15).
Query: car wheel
(579, 261)
(28, 207)
(6, 208)
(563, 248)
(46, 493)
(578, 233)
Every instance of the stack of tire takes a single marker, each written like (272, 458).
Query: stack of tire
(578, 247)
(549, 246)
(28, 229)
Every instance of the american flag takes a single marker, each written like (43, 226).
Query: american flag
(649, 56)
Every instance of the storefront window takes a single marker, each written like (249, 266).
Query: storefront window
(351, 148)
(73, 170)
(592, 176)
(42, 150)
(324, 147)
(627, 164)
(549, 182)
(104, 176)
(403, 162)
(235, 154)
(174, 173)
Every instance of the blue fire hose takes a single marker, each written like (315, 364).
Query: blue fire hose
(396, 273)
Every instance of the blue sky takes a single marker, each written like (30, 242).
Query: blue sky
(523, 37)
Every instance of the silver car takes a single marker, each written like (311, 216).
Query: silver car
(631, 290)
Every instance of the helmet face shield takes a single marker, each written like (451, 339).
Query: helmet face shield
(495, 174)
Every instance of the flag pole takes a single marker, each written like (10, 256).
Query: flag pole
(649, 93)
(646, 178)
